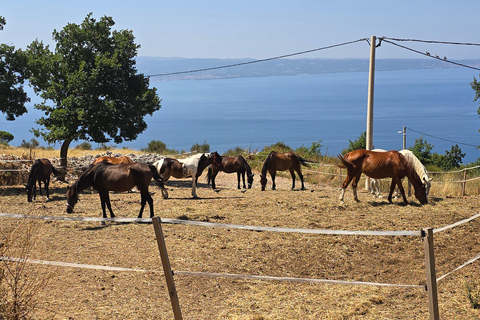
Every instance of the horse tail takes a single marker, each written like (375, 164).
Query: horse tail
(345, 163)
(158, 180)
(165, 169)
(304, 162)
(246, 166)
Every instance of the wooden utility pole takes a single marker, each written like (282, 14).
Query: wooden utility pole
(371, 86)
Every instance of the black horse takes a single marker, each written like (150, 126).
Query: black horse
(41, 171)
(236, 164)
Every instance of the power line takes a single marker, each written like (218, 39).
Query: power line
(426, 134)
(428, 54)
(433, 41)
(256, 61)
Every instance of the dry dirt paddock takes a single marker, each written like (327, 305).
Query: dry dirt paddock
(74, 293)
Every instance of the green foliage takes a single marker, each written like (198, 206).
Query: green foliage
(32, 144)
(200, 148)
(84, 146)
(235, 152)
(156, 146)
(360, 143)
(13, 73)
(93, 83)
(278, 147)
(421, 149)
(6, 137)
(314, 152)
(476, 87)
(473, 294)
(450, 160)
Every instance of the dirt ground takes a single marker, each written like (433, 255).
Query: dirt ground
(74, 293)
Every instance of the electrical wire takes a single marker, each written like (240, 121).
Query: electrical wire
(257, 61)
(426, 134)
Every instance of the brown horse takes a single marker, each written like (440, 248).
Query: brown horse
(40, 171)
(281, 162)
(230, 165)
(105, 177)
(379, 165)
(113, 160)
(190, 167)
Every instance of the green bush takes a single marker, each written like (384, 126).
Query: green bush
(200, 148)
(156, 146)
(84, 146)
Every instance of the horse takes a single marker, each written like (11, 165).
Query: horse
(379, 165)
(40, 171)
(105, 177)
(113, 160)
(192, 166)
(236, 164)
(282, 162)
(415, 163)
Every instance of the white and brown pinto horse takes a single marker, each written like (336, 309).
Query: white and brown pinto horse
(414, 162)
(379, 165)
(192, 166)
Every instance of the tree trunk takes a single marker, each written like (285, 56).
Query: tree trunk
(63, 159)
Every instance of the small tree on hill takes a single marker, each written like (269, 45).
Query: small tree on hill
(360, 143)
(6, 137)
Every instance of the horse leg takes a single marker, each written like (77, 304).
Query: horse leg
(345, 184)
(150, 204)
(354, 186)
(106, 200)
(194, 187)
(272, 174)
(292, 173)
(301, 178)
(40, 186)
(47, 183)
(238, 181)
(402, 191)
(214, 175)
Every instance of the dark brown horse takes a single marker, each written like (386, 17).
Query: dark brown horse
(379, 165)
(281, 162)
(113, 160)
(41, 171)
(190, 167)
(105, 177)
(230, 165)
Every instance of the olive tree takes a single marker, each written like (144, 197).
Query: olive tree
(90, 86)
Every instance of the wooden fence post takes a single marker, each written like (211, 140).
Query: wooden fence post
(464, 182)
(431, 274)
(172, 291)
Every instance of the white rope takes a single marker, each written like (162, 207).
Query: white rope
(207, 274)
(224, 225)
(456, 224)
(463, 265)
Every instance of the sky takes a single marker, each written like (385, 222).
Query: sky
(258, 29)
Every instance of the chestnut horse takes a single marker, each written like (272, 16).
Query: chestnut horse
(113, 160)
(281, 162)
(40, 171)
(105, 177)
(379, 165)
(192, 166)
(236, 164)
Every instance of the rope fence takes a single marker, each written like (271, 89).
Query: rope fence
(432, 280)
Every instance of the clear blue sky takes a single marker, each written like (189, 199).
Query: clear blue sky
(257, 29)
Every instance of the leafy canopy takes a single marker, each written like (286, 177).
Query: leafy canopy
(90, 85)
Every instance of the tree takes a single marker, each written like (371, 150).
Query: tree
(476, 87)
(13, 73)
(360, 143)
(451, 159)
(200, 148)
(421, 149)
(6, 137)
(91, 79)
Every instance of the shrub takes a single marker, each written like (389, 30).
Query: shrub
(156, 146)
(32, 144)
(200, 148)
(360, 143)
(84, 146)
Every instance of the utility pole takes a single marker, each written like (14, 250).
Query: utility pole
(404, 138)
(371, 86)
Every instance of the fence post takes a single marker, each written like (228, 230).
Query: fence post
(431, 274)
(172, 291)
(464, 182)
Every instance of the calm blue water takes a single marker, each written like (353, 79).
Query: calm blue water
(300, 110)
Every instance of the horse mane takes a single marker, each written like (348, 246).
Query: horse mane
(415, 163)
(412, 174)
(33, 174)
(267, 162)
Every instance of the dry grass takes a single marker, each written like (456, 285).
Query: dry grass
(92, 294)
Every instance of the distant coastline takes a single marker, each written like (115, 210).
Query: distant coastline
(156, 67)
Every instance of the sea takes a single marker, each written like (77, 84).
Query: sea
(251, 113)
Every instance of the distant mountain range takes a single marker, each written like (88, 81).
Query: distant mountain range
(241, 68)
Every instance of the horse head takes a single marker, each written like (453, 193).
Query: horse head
(250, 180)
(421, 194)
(428, 184)
(263, 181)
(217, 159)
(31, 192)
(72, 198)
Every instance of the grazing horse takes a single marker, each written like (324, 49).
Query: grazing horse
(415, 163)
(236, 164)
(105, 177)
(40, 171)
(379, 165)
(113, 160)
(192, 166)
(281, 162)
